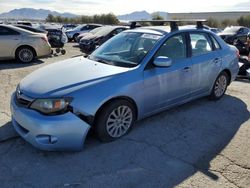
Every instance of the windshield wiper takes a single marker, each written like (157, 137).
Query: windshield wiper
(103, 61)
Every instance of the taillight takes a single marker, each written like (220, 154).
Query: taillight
(238, 53)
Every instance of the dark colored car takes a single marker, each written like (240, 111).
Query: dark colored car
(90, 42)
(92, 32)
(237, 36)
(24, 23)
(29, 28)
(72, 34)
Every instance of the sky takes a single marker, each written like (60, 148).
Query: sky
(119, 7)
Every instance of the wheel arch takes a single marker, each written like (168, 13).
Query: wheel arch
(129, 99)
(227, 71)
(27, 46)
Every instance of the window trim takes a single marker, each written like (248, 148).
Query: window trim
(185, 35)
(15, 33)
(208, 39)
(214, 47)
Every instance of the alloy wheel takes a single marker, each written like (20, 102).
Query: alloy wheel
(119, 121)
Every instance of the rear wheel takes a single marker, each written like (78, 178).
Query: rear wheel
(220, 86)
(115, 120)
(25, 54)
(63, 51)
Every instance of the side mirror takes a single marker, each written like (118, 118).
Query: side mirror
(162, 61)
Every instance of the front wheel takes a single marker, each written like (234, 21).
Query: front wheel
(115, 120)
(220, 86)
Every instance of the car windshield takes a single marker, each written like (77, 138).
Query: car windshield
(104, 31)
(125, 49)
(78, 27)
(94, 31)
(231, 30)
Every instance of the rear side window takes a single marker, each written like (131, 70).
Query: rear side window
(215, 42)
(200, 44)
(6, 31)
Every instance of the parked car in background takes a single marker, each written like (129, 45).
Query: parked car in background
(29, 28)
(22, 45)
(24, 23)
(236, 35)
(66, 27)
(73, 33)
(133, 75)
(92, 32)
(90, 42)
(213, 29)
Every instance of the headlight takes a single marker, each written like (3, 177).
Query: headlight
(51, 106)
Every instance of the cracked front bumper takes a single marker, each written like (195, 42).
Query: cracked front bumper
(61, 132)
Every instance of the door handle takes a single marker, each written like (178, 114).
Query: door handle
(186, 69)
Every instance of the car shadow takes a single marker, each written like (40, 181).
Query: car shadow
(243, 79)
(161, 151)
(13, 64)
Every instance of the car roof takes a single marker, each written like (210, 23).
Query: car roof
(18, 29)
(163, 30)
(172, 26)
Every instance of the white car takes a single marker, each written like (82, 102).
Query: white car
(22, 45)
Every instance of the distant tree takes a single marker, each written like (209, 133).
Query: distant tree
(157, 16)
(228, 22)
(59, 19)
(244, 21)
(50, 18)
(212, 22)
(109, 19)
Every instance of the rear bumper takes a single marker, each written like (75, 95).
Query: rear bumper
(61, 132)
(43, 50)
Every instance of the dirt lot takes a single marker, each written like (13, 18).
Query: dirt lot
(199, 144)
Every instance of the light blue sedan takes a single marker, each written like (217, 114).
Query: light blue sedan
(134, 75)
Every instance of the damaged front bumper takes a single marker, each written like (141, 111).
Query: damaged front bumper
(52, 133)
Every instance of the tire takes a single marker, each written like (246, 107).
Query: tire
(63, 51)
(58, 50)
(75, 36)
(115, 120)
(25, 54)
(220, 86)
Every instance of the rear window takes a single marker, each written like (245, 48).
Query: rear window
(6, 31)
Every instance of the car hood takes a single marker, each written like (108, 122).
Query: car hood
(226, 34)
(85, 34)
(89, 37)
(62, 78)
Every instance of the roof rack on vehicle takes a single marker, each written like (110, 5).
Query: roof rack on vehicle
(173, 23)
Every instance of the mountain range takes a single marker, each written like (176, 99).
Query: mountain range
(41, 14)
(30, 13)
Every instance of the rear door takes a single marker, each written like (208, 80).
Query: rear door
(9, 39)
(206, 61)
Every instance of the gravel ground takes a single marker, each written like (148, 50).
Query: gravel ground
(199, 144)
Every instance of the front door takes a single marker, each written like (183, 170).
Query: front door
(166, 86)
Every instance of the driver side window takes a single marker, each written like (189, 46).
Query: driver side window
(174, 47)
